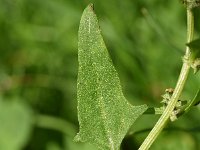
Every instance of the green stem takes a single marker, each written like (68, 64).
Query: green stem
(177, 91)
(54, 123)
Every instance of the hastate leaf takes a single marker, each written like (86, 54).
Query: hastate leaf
(103, 112)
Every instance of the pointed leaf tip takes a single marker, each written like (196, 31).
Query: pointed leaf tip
(103, 112)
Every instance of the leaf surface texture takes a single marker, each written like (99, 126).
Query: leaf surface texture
(103, 112)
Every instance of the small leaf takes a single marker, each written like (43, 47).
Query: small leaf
(195, 48)
(103, 112)
(195, 54)
(193, 102)
(155, 110)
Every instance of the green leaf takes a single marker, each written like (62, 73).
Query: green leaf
(15, 125)
(195, 48)
(195, 54)
(155, 110)
(103, 112)
(193, 102)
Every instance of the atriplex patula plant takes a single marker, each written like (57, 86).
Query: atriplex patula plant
(103, 112)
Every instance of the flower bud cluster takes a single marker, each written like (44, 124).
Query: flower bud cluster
(191, 3)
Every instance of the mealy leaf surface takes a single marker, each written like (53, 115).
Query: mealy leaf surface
(103, 112)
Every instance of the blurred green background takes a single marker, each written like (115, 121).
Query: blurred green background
(38, 69)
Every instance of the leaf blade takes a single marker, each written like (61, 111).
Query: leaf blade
(103, 112)
(193, 102)
(195, 48)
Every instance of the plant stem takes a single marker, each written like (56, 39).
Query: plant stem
(177, 91)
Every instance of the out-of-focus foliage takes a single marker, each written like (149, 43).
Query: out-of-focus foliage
(38, 66)
(16, 123)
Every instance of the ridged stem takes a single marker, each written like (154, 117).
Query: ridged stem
(177, 91)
